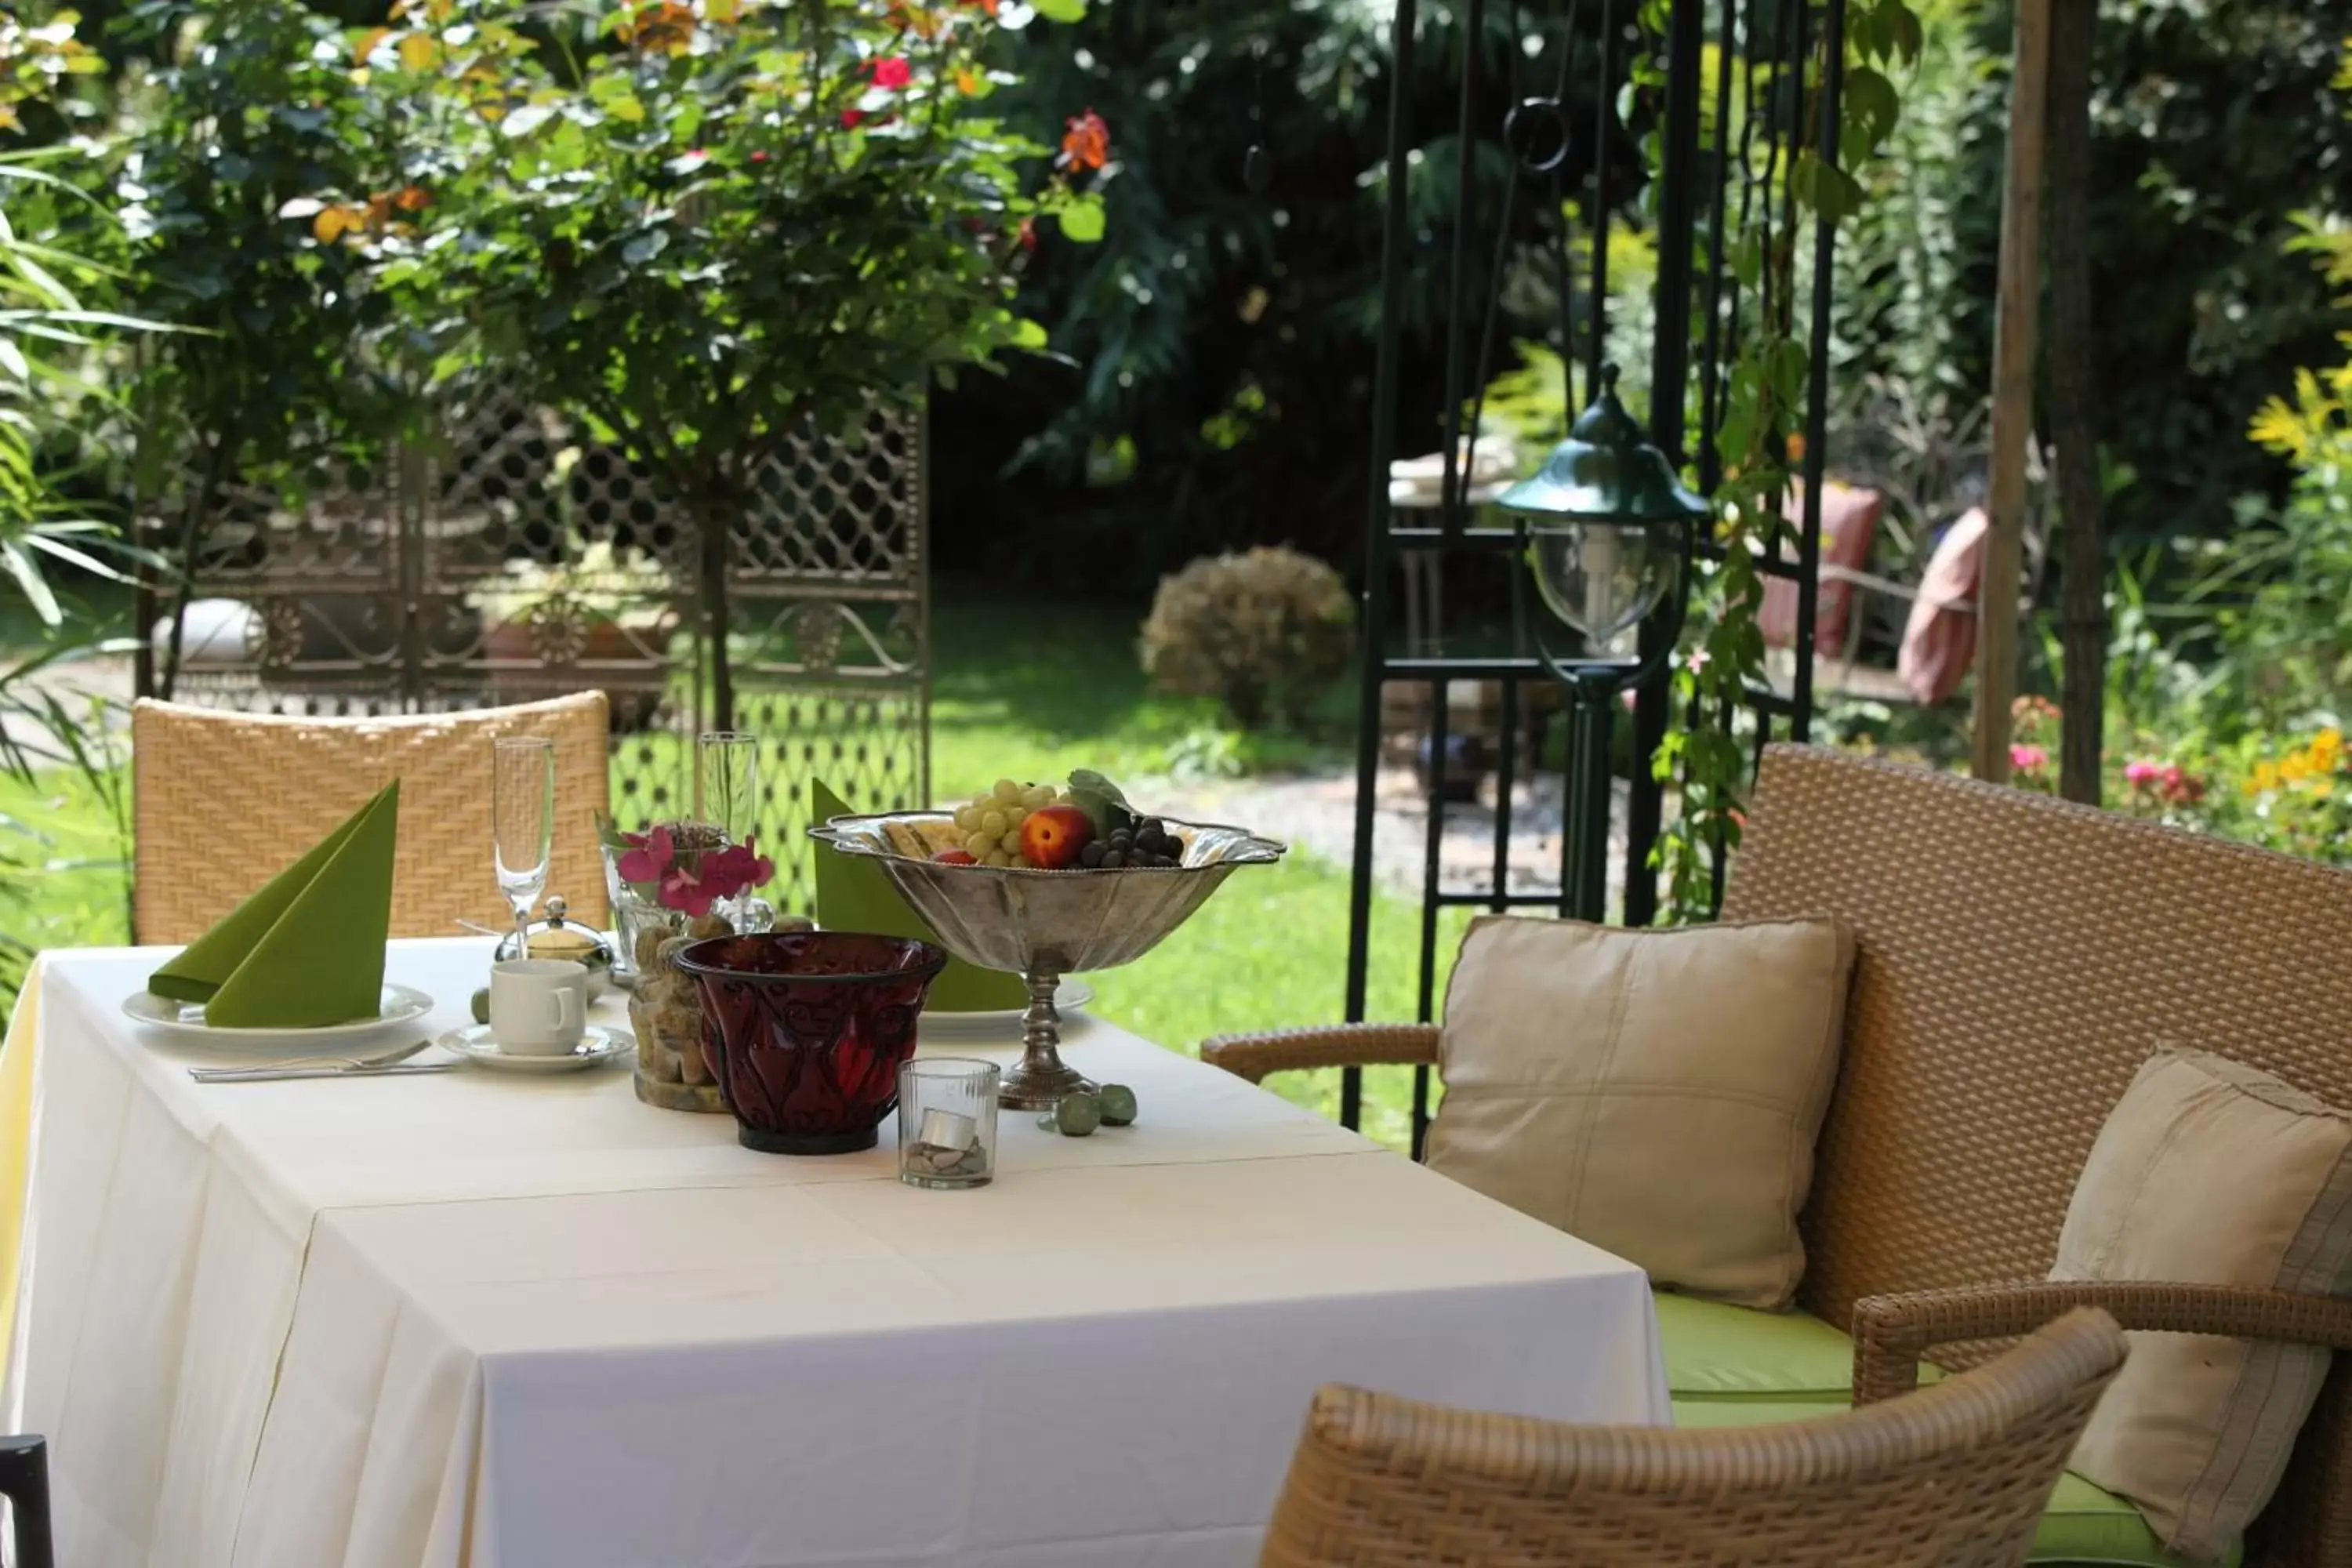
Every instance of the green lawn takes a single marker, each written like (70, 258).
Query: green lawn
(1026, 691)
(61, 877)
(1030, 691)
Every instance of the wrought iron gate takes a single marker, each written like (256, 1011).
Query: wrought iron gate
(1718, 168)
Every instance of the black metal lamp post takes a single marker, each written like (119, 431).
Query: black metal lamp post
(1606, 529)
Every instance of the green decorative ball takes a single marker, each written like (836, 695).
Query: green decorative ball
(1117, 1105)
(1078, 1114)
(482, 1005)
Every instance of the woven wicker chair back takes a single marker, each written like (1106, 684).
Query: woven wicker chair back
(2019, 959)
(1953, 1476)
(223, 801)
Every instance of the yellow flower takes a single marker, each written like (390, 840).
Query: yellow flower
(2265, 777)
(2295, 767)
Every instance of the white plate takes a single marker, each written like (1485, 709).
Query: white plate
(597, 1046)
(1070, 998)
(184, 1022)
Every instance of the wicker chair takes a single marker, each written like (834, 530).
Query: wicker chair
(225, 800)
(1953, 1476)
(2019, 959)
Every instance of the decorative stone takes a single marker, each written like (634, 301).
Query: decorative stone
(1078, 1114)
(1117, 1105)
(938, 1160)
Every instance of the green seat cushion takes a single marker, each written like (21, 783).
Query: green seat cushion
(1718, 1352)
(2084, 1525)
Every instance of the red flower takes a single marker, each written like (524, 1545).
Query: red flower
(759, 156)
(1028, 234)
(851, 119)
(1085, 141)
(891, 72)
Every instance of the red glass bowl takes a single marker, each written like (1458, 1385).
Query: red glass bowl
(806, 1031)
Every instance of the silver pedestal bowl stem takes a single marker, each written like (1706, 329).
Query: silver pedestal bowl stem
(1039, 1080)
(1042, 925)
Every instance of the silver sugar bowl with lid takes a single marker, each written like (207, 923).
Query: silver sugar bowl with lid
(559, 936)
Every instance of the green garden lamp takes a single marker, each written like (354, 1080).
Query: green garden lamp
(1607, 531)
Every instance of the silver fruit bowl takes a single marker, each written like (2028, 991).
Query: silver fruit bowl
(1040, 924)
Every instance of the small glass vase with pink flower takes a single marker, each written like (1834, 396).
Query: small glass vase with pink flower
(676, 882)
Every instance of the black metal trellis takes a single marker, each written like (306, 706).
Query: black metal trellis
(1729, 142)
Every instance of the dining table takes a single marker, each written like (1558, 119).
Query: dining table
(498, 1320)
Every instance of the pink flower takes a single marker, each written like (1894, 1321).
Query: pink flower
(758, 156)
(721, 873)
(2028, 759)
(649, 856)
(892, 71)
(2180, 788)
(735, 868)
(1697, 660)
(2141, 774)
(681, 890)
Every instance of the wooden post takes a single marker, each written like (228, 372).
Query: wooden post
(2018, 301)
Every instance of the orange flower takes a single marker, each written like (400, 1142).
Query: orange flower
(412, 199)
(664, 25)
(1796, 448)
(1085, 141)
(336, 220)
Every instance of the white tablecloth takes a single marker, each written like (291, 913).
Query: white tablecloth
(465, 1319)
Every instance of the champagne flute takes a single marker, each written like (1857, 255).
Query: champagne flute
(522, 824)
(727, 797)
(727, 782)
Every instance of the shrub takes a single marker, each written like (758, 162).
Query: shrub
(1263, 633)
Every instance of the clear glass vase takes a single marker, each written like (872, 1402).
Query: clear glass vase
(633, 917)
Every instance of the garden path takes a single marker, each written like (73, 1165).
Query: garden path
(1316, 813)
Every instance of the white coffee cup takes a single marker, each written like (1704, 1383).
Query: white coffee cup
(539, 1006)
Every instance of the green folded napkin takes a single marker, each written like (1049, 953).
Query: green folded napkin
(307, 949)
(853, 893)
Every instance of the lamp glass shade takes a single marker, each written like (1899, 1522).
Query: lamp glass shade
(1603, 579)
(1604, 519)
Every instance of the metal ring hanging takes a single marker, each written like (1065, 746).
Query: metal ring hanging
(1536, 130)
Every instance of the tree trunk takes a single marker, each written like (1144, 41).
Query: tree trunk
(715, 519)
(195, 526)
(2074, 404)
(2016, 319)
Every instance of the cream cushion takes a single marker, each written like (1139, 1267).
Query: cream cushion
(2209, 1172)
(1655, 1092)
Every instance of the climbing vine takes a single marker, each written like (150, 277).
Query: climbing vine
(1757, 403)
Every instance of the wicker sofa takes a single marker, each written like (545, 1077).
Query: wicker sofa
(2019, 959)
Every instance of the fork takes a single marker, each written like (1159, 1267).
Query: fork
(395, 1063)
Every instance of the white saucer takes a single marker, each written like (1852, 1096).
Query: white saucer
(597, 1046)
(1070, 998)
(184, 1022)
